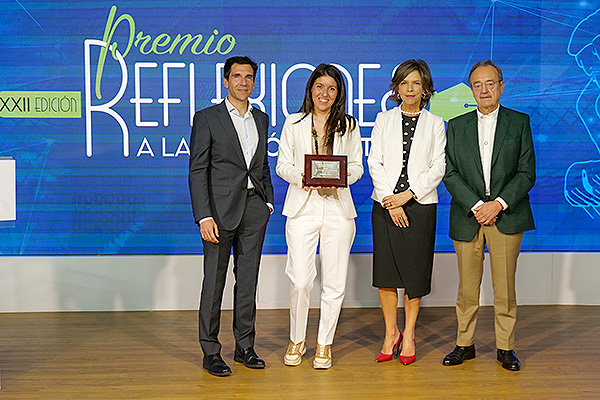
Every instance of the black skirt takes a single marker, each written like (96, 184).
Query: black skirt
(403, 257)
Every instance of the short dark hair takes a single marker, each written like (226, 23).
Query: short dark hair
(486, 63)
(402, 72)
(239, 60)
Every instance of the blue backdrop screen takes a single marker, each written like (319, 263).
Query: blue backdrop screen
(97, 99)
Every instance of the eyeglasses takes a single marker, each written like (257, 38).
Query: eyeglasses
(489, 84)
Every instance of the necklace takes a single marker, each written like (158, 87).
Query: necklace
(324, 139)
(410, 113)
(315, 136)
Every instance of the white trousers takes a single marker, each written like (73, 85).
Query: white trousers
(320, 218)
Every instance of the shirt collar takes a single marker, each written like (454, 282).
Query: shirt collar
(232, 110)
(491, 116)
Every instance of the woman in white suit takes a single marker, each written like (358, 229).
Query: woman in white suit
(406, 163)
(318, 214)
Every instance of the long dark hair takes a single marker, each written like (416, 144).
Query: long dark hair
(338, 120)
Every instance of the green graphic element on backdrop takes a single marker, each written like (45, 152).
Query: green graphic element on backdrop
(26, 104)
(452, 102)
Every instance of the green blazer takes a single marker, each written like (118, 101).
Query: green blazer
(512, 175)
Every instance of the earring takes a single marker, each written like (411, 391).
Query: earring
(423, 95)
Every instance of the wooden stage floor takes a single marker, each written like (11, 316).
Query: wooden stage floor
(155, 355)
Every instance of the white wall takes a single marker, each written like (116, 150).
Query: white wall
(173, 282)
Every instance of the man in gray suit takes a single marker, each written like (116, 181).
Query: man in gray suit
(232, 197)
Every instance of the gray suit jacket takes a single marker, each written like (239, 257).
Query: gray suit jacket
(218, 173)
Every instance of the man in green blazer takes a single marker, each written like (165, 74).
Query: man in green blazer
(490, 169)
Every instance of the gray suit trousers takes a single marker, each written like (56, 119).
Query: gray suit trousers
(246, 241)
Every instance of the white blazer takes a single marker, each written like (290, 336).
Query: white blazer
(296, 141)
(426, 161)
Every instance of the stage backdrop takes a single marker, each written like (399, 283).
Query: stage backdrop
(97, 99)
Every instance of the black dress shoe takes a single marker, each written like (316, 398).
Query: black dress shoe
(509, 360)
(249, 357)
(215, 365)
(460, 354)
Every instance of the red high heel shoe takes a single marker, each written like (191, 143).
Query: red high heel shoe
(410, 359)
(395, 351)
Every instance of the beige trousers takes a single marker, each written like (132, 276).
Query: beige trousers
(504, 251)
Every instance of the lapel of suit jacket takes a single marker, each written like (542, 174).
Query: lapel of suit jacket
(501, 129)
(395, 139)
(262, 140)
(337, 142)
(305, 129)
(303, 140)
(472, 140)
(230, 132)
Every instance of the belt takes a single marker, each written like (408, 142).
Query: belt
(250, 192)
(486, 199)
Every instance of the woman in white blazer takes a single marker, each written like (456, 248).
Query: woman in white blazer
(318, 214)
(406, 163)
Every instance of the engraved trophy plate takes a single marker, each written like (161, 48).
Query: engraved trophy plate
(325, 171)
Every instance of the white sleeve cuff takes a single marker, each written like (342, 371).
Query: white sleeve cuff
(204, 219)
(480, 202)
(501, 201)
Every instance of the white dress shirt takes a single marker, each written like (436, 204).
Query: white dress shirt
(486, 132)
(245, 126)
